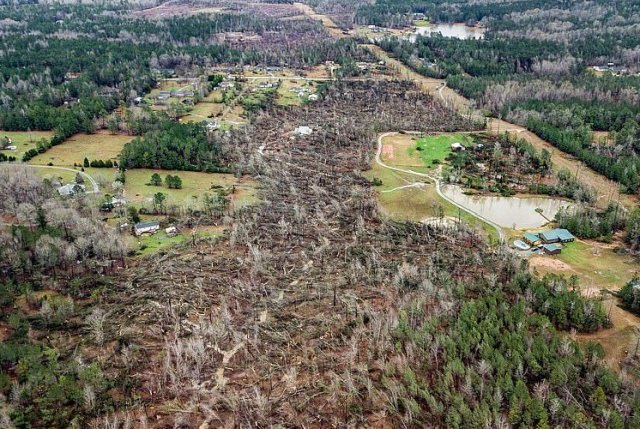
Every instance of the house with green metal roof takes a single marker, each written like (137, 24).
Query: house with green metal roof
(551, 249)
(557, 235)
(531, 239)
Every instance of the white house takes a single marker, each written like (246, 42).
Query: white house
(303, 131)
(71, 189)
(171, 231)
(314, 97)
(146, 228)
(456, 147)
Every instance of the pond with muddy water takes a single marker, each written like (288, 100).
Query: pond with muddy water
(508, 212)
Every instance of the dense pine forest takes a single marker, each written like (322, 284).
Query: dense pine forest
(307, 304)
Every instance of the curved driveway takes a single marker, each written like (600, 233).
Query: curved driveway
(497, 227)
(94, 184)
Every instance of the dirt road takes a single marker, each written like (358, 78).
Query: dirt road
(94, 184)
(327, 22)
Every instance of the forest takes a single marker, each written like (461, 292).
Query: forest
(309, 306)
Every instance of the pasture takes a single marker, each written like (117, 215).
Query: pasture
(194, 184)
(24, 141)
(99, 146)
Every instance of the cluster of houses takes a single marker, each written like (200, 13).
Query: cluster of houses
(612, 68)
(164, 96)
(550, 241)
(302, 92)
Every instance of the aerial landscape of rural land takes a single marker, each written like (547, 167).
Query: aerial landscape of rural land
(319, 214)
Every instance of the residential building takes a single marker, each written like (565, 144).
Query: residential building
(146, 228)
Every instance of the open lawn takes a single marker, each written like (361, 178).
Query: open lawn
(421, 23)
(288, 98)
(55, 175)
(195, 184)
(596, 265)
(99, 146)
(438, 147)
(24, 140)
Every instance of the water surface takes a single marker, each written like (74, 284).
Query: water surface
(508, 211)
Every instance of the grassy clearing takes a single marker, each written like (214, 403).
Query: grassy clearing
(99, 146)
(602, 268)
(24, 141)
(207, 109)
(55, 174)
(286, 97)
(195, 184)
(436, 148)
(596, 266)
(421, 23)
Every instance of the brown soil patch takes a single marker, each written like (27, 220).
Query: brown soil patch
(547, 264)
(5, 332)
(387, 151)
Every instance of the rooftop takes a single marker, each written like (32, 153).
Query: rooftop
(558, 233)
(150, 224)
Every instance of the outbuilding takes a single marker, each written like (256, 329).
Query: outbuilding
(532, 239)
(457, 147)
(552, 249)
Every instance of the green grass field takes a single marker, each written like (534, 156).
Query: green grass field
(287, 98)
(54, 174)
(604, 269)
(207, 109)
(438, 147)
(421, 23)
(24, 140)
(99, 146)
(195, 184)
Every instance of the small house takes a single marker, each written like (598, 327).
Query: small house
(171, 231)
(314, 97)
(303, 131)
(138, 100)
(531, 239)
(71, 189)
(146, 228)
(551, 249)
(457, 147)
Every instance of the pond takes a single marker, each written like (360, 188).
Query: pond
(458, 31)
(508, 211)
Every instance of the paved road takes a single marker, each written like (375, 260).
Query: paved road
(94, 184)
(436, 180)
